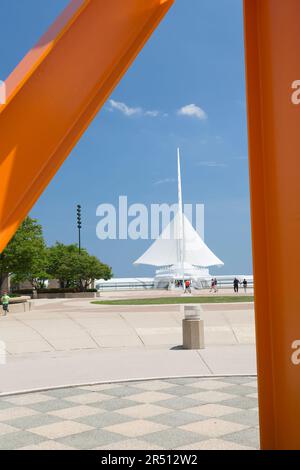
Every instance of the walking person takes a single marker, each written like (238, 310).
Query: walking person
(188, 286)
(216, 285)
(5, 303)
(212, 286)
(245, 284)
(236, 283)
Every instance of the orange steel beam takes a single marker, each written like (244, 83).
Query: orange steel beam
(57, 90)
(273, 82)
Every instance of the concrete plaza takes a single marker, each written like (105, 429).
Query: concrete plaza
(73, 342)
(116, 377)
(182, 414)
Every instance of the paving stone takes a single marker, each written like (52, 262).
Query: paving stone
(241, 402)
(250, 418)
(51, 405)
(214, 410)
(91, 439)
(147, 410)
(7, 429)
(176, 418)
(28, 399)
(210, 413)
(88, 398)
(215, 444)
(252, 383)
(98, 388)
(211, 396)
(239, 389)
(178, 403)
(76, 412)
(172, 438)
(115, 404)
(150, 397)
(130, 444)
(15, 412)
(136, 428)
(36, 420)
(181, 390)
(213, 427)
(16, 440)
(153, 385)
(65, 392)
(123, 391)
(4, 405)
(209, 385)
(183, 381)
(61, 429)
(47, 445)
(105, 419)
(246, 437)
(239, 380)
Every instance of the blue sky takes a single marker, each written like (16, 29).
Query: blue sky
(195, 57)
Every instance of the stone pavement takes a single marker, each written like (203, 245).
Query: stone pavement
(182, 413)
(79, 325)
(73, 342)
(78, 368)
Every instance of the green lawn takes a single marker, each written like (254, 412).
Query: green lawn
(178, 300)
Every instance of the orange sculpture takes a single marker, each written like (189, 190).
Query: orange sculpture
(58, 88)
(273, 83)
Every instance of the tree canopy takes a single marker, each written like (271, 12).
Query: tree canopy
(25, 257)
(74, 269)
(28, 258)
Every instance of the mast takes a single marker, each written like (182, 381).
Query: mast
(181, 242)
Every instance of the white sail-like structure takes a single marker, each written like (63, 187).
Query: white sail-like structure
(180, 250)
(166, 250)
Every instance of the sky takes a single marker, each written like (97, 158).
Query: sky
(186, 89)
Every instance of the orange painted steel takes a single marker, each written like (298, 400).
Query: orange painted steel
(272, 54)
(58, 88)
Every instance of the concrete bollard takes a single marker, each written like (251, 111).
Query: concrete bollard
(192, 327)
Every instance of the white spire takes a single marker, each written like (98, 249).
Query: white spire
(180, 215)
(179, 243)
(180, 205)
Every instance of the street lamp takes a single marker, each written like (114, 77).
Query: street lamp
(79, 226)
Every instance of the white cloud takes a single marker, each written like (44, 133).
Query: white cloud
(128, 111)
(165, 181)
(123, 108)
(191, 110)
(152, 113)
(211, 164)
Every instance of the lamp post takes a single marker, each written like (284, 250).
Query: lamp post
(79, 226)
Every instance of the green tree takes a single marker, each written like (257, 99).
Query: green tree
(62, 264)
(25, 257)
(89, 269)
(74, 270)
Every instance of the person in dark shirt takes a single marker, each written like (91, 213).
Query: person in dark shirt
(236, 284)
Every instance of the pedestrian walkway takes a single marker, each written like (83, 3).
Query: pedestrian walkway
(39, 372)
(74, 342)
(79, 325)
(178, 413)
